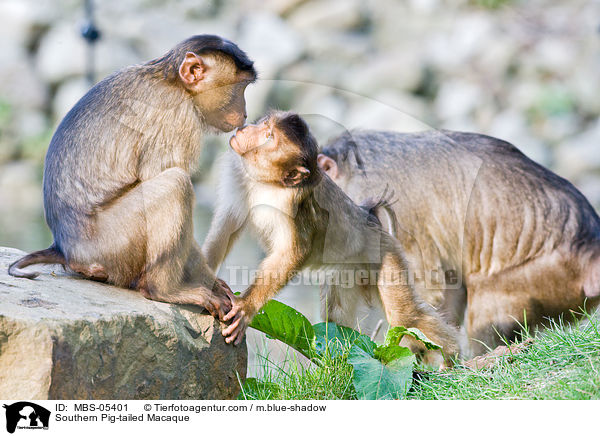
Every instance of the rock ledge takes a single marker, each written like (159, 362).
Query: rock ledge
(62, 337)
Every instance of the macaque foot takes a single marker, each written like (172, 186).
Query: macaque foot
(93, 271)
(220, 302)
(240, 320)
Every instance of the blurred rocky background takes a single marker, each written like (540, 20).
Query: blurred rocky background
(527, 71)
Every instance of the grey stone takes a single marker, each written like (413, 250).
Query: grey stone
(590, 187)
(455, 42)
(63, 337)
(511, 126)
(61, 53)
(334, 14)
(269, 53)
(581, 153)
(31, 122)
(378, 115)
(20, 85)
(556, 54)
(67, 95)
(457, 98)
(398, 69)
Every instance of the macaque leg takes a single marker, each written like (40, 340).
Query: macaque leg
(495, 315)
(499, 305)
(196, 272)
(274, 272)
(453, 306)
(145, 239)
(483, 329)
(404, 308)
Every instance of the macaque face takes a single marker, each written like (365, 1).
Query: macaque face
(225, 104)
(218, 89)
(249, 138)
(262, 147)
(271, 156)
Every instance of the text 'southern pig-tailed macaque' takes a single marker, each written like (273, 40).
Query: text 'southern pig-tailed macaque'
(117, 191)
(492, 239)
(272, 181)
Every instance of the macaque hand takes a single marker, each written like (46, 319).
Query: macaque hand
(240, 319)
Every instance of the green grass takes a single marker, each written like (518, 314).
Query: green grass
(294, 380)
(562, 363)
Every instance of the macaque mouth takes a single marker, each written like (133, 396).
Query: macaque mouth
(238, 146)
(233, 143)
(227, 127)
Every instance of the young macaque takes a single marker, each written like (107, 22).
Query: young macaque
(117, 190)
(272, 181)
(509, 242)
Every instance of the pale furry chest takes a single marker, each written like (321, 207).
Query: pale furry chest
(270, 214)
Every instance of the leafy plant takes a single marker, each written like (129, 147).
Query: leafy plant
(280, 321)
(386, 375)
(379, 371)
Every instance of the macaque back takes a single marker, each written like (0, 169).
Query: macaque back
(487, 232)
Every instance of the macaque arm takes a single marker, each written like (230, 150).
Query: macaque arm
(225, 228)
(231, 213)
(274, 272)
(403, 307)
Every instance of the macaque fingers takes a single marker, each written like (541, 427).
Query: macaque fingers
(235, 331)
(233, 312)
(231, 328)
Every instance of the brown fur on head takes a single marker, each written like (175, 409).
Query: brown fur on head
(278, 149)
(215, 72)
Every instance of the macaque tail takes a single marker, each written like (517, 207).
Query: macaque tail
(591, 283)
(49, 255)
(382, 212)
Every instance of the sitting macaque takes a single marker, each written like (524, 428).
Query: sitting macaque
(117, 190)
(304, 220)
(486, 231)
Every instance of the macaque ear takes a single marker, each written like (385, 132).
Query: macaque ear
(296, 176)
(328, 165)
(192, 70)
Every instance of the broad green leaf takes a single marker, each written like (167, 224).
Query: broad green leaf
(280, 321)
(337, 340)
(388, 378)
(395, 334)
(388, 353)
